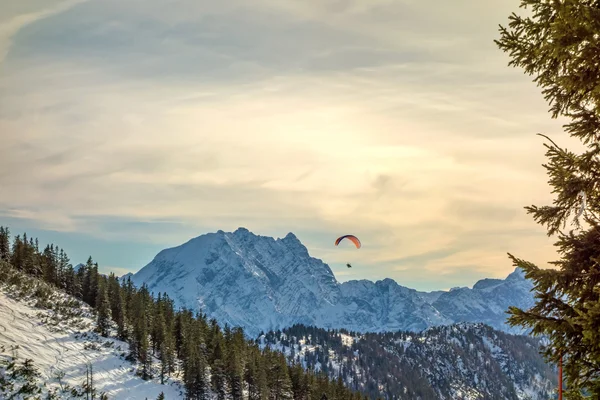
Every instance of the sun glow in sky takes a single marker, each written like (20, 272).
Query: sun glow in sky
(129, 126)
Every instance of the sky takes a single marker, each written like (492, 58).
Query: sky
(131, 126)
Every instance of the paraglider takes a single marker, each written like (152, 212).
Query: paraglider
(352, 238)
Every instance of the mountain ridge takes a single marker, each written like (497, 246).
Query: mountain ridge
(261, 283)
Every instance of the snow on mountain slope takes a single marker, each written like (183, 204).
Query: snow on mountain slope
(488, 301)
(261, 283)
(430, 297)
(28, 332)
(384, 306)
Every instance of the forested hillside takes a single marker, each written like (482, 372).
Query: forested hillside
(460, 361)
(164, 343)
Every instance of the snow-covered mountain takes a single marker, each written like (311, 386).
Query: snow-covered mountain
(460, 361)
(488, 300)
(261, 284)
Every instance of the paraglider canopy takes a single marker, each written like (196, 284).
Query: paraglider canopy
(352, 238)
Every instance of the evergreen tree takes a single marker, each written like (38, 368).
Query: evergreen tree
(30, 374)
(195, 364)
(17, 253)
(255, 375)
(4, 244)
(558, 43)
(234, 366)
(167, 354)
(159, 328)
(218, 377)
(145, 357)
(94, 285)
(297, 376)
(74, 283)
(64, 265)
(85, 273)
(280, 384)
(103, 312)
(306, 390)
(340, 389)
(178, 335)
(49, 265)
(250, 378)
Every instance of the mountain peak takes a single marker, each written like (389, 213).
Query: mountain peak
(242, 231)
(290, 236)
(517, 275)
(291, 239)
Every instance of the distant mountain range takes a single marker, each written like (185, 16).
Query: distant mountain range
(262, 284)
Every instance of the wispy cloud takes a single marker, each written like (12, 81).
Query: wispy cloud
(17, 15)
(397, 121)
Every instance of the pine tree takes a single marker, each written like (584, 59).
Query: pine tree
(167, 355)
(75, 283)
(17, 253)
(234, 363)
(297, 376)
(279, 380)
(307, 386)
(559, 44)
(145, 357)
(4, 244)
(195, 364)
(340, 388)
(159, 328)
(161, 396)
(250, 378)
(85, 273)
(255, 375)
(103, 312)
(63, 266)
(94, 285)
(49, 265)
(218, 379)
(30, 374)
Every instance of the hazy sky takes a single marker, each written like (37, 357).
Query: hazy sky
(129, 126)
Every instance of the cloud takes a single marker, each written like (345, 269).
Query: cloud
(17, 15)
(396, 121)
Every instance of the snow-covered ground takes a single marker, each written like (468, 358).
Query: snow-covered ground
(28, 332)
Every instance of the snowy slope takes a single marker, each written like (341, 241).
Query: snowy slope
(488, 301)
(430, 297)
(261, 283)
(30, 332)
